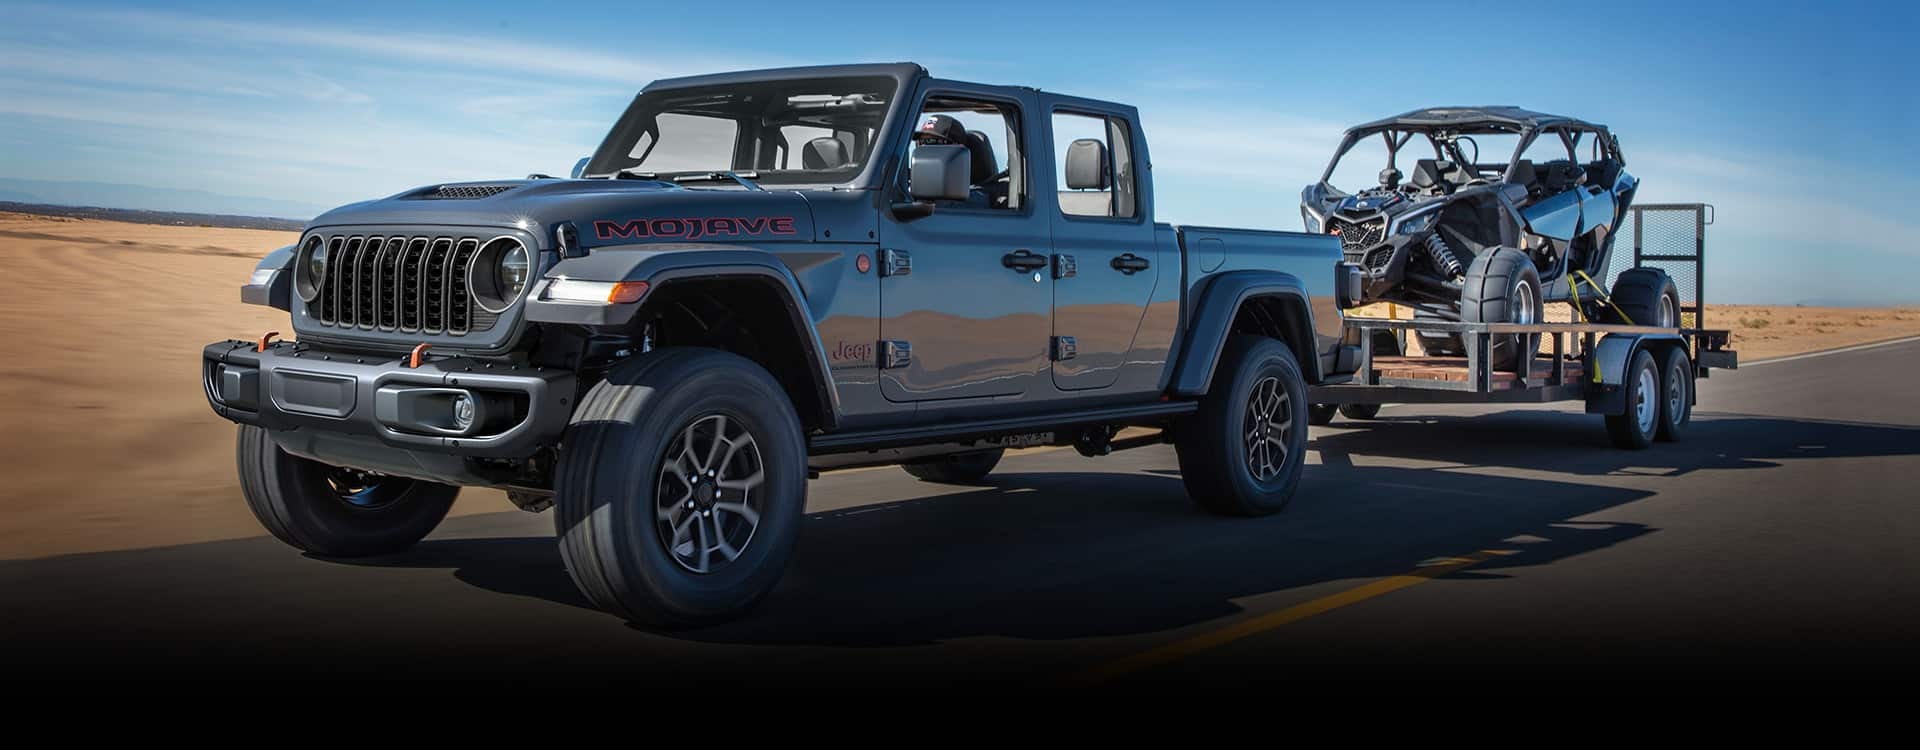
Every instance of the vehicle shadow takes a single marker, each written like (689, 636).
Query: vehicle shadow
(1574, 443)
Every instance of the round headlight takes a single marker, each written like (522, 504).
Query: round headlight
(310, 269)
(499, 274)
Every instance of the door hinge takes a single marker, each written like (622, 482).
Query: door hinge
(895, 354)
(1064, 348)
(896, 263)
(1064, 266)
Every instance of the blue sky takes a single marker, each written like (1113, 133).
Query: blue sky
(1793, 121)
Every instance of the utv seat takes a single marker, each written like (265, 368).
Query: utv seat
(1603, 173)
(1526, 176)
(824, 153)
(1436, 175)
(1559, 176)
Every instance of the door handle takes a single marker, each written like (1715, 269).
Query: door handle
(1130, 264)
(1024, 260)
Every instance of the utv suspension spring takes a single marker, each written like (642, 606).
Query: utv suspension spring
(1443, 258)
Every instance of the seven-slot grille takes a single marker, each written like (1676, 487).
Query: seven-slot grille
(1358, 236)
(403, 283)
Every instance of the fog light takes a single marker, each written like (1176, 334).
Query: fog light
(462, 412)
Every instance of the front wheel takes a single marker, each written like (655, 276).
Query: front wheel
(1361, 412)
(680, 488)
(334, 511)
(1502, 286)
(1243, 452)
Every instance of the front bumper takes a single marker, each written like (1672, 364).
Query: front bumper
(290, 387)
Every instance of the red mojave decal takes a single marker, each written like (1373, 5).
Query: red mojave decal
(693, 229)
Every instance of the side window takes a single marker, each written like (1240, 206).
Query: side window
(695, 142)
(991, 133)
(1094, 168)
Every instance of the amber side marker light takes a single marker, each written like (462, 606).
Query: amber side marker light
(627, 291)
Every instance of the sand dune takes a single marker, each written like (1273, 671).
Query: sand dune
(109, 444)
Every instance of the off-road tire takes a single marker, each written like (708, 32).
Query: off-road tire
(298, 501)
(1647, 296)
(1321, 415)
(1361, 412)
(1676, 394)
(1503, 287)
(959, 468)
(1213, 445)
(1632, 429)
(613, 465)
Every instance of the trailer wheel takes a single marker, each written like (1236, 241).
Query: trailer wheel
(1361, 412)
(1648, 298)
(959, 468)
(1634, 428)
(1676, 394)
(1321, 415)
(680, 487)
(1503, 287)
(1242, 454)
(334, 511)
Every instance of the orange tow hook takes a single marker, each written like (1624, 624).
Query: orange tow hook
(413, 360)
(265, 339)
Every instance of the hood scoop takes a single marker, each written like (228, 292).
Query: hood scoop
(462, 192)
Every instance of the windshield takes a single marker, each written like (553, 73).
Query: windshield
(809, 131)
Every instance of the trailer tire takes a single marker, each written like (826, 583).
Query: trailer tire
(1676, 394)
(680, 426)
(959, 468)
(333, 511)
(1503, 287)
(1635, 427)
(1648, 298)
(1321, 415)
(1360, 412)
(1258, 392)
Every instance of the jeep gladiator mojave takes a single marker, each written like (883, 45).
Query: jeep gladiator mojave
(756, 277)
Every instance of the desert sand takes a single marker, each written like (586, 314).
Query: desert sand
(108, 440)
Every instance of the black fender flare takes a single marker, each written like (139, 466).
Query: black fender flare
(1606, 391)
(662, 265)
(1220, 300)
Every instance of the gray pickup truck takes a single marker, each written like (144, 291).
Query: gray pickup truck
(757, 277)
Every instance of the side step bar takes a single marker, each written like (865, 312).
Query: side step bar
(986, 428)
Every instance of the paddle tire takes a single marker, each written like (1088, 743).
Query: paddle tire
(1676, 394)
(1241, 454)
(1636, 427)
(960, 468)
(335, 511)
(1648, 298)
(680, 488)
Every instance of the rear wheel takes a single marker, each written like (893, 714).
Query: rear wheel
(1242, 454)
(1676, 394)
(1503, 287)
(681, 487)
(1635, 428)
(335, 511)
(1647, 297)
(960, 468)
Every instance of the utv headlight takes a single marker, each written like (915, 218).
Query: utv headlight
(499, 274)
(310, 269)
(1308, 220)
(1417, 224)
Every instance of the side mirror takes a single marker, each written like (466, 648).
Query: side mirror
(940, 173)
(579, 169)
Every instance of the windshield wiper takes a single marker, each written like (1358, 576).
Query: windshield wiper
(744, 178)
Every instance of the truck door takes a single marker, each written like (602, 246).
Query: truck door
(1105, 262)
(967, 295)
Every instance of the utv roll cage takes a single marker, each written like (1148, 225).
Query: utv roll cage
(1445, 125)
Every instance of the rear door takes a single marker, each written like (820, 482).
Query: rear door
(1105, 262)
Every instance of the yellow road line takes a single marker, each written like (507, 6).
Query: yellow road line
(1178, 650)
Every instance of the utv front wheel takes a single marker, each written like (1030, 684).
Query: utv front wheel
(1242, 454)
(680, 488)
(1503, 287)
(334, 511)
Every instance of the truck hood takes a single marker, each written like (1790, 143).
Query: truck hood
(603, 212)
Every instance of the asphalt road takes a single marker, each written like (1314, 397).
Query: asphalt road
(1782, 537)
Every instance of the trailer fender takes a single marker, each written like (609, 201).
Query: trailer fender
(1605, 391)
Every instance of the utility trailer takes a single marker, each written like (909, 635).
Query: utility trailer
(1641, 378)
